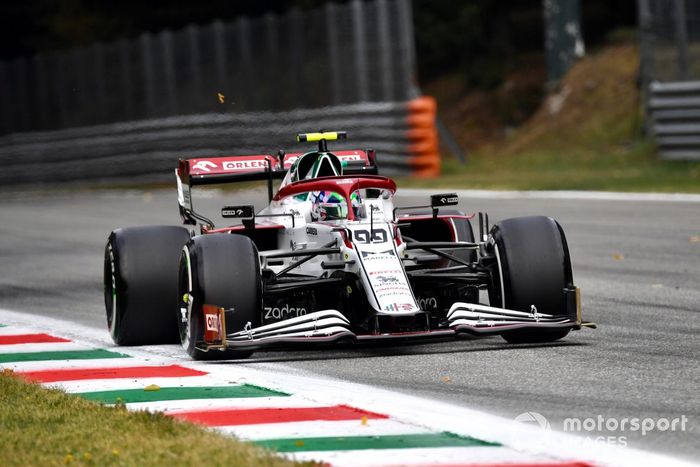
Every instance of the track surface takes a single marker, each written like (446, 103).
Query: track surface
(638, 264)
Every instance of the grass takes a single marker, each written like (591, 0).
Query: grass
(41, 426)
(635, 171)
(585, 136)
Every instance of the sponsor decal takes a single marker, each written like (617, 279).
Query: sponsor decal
(232, 212)
(398, 291)
(427, 302)
(213, 327)
(184, 198)
(350, 157)
(233, 166)
(212, 322)
(444, 199)
(283, 312)
(399, 307)
(402, 293)
(387, 279)
(311, 231)
(363, 236)
(372, 255)
(204, 166)
(238, 211)
(391, 272)
(291, 158)
(392, 287)
(344, 181)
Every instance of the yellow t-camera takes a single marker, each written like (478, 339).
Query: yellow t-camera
(327, 135)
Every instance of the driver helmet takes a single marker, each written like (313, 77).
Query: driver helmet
(328, 205)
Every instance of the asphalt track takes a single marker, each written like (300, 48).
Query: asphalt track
(636, 260)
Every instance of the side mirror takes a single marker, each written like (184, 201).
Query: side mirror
(444, 199)
(238, 212)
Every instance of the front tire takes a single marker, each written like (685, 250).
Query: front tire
(221, 270)
(140, 284)
(534, 268)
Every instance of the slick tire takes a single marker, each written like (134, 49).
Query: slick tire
(535, 268)
(140, 284)
(221, 270)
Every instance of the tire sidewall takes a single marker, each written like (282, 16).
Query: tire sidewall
(112, 283)
(139, 283)
(533, 268)
(195, 273)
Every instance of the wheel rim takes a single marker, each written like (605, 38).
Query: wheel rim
(112, 291)
(185, 299)
(500, 275)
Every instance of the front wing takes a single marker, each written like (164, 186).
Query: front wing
(331, 326)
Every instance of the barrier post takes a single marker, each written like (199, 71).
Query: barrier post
(423, 148)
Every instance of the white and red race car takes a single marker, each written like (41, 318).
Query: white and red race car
(332, 259)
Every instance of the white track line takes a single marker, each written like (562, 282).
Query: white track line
(14, 330)
(72, 364)
(42, 347)
(423, 456)
(317, 429)
(91, 385)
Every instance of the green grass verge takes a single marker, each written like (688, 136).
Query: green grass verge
(41, 426)
(636, 169)
(585, 136)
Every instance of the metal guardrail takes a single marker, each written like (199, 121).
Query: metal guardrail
(147, 150)
(338, 54)
(674, 112)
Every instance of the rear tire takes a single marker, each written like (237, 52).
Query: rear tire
(221, 270)
(535, 269)
(140, 284)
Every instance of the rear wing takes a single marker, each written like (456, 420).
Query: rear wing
(232, 169)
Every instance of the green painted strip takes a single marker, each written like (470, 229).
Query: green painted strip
(180, 393)
(3, 325)
(350, 443)
(60, 355)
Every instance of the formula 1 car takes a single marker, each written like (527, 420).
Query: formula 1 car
(331, 259)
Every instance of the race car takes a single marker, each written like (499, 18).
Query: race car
(332, 259)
